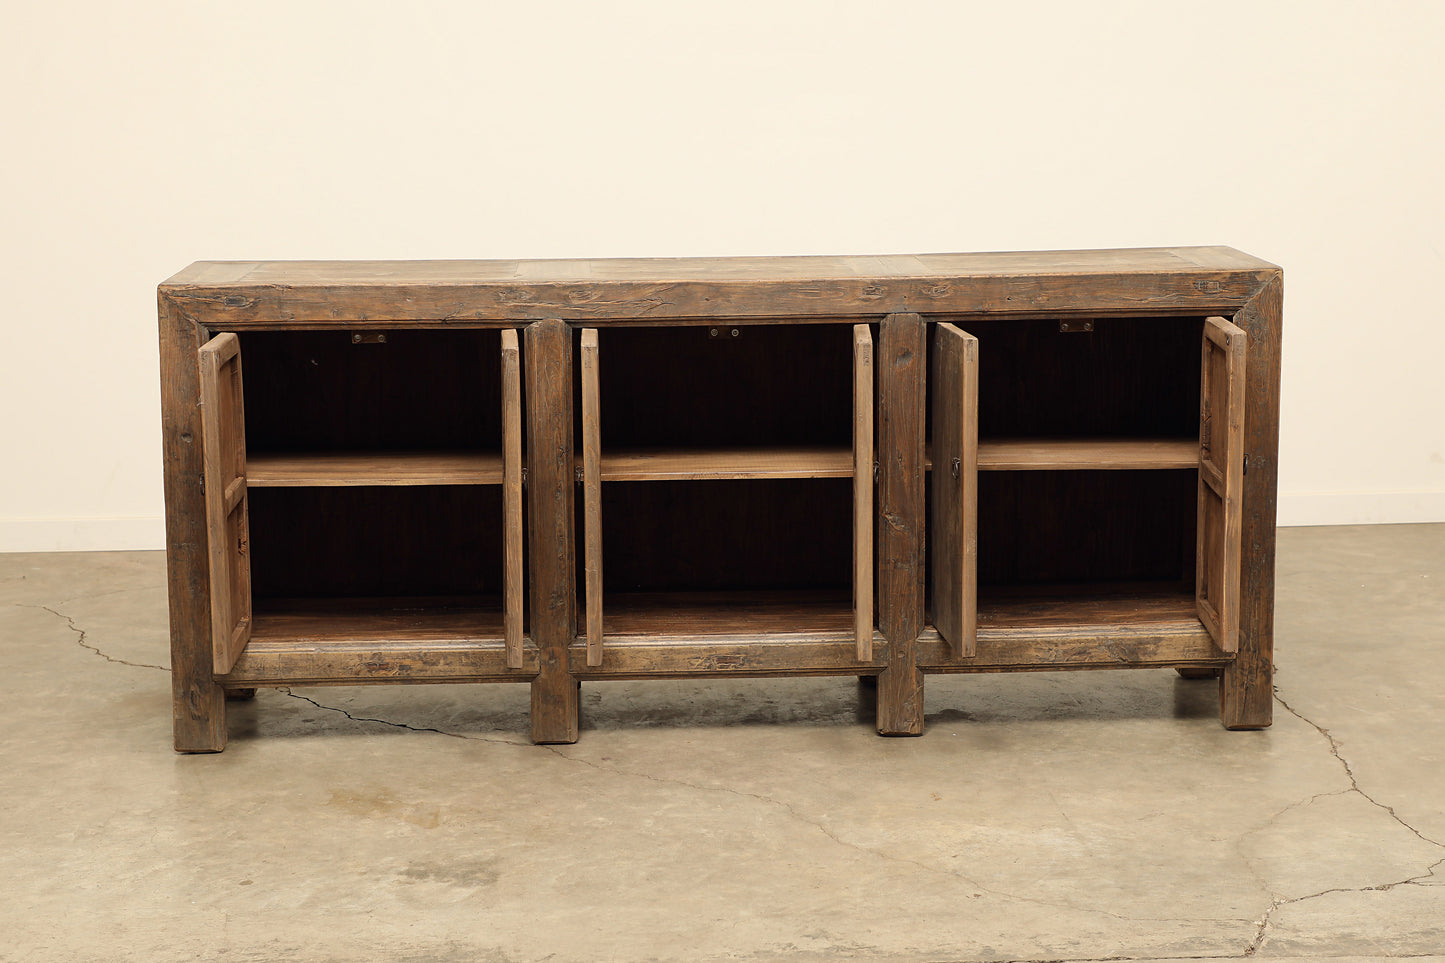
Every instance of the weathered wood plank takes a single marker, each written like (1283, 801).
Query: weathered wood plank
(592, 494)
(339, 469)
(901, 362)
(863, 511)
(514, 581)
(954, 534)
(345, 293)
(1221, 473)
(1246, 687)
(198, 704)
(548, 361)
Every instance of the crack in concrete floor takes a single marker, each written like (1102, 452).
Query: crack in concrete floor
(1251, 949)
(1263, 923)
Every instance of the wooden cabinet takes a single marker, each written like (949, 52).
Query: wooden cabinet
(559, 472)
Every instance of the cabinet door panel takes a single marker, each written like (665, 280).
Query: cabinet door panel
(513, 578)
(863, 491)
(592, 493)
(228, 535)
(1221, 481)
(954, 381)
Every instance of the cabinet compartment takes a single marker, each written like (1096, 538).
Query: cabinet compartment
(738, 470)
(1091, 515)
(360, 533)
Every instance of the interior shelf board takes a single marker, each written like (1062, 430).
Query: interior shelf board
(679, 464)
(1077, 454)
(332, 469)
(337, 641)
(1081, 627)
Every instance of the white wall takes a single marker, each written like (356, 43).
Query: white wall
(140, 137)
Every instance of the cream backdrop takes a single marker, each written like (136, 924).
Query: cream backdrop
(140, 137)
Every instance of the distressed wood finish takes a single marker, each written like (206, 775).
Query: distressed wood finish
(548, 360)
(954, 531)
(324, 293)
(863, 491)
(901, 424)
(1246, 687)
(1081, 526)
(514, 581)
(198, 703)
(228, 534)
(672, 464)
(1221, 476)
(592, 495)
(346, 469)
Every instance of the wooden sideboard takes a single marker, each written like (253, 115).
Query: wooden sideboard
(557, 472)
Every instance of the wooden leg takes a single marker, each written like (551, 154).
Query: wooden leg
(900, 362)
(550, 488)
(198, 706)
(1246, 687)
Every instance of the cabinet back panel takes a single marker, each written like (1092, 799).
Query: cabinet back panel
(714, 535)
(316, 390)
(1128, 377)
(399, 541)
(679, 387)
(1086, 526)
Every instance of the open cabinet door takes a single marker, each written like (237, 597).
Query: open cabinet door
(863, 492)
(954, 385)
(592, 494)
(514, 582)
(1221, 481)
(228, 535)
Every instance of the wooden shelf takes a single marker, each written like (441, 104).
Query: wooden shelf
(332, 469)
(1081, 627)
(1084, 454)
(676, 464)
(337, 641)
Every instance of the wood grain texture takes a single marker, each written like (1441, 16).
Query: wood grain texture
(953, 384)
(1246, 688)
(1140, 281)
(340, 469)
(1086, 454)
(1221, 475)
(228, 534)
(901, 361)
(863, 511)
(514, 579)
(345, 641)
(693, 464)
(198, 704)
(592, 495)
(550, 483)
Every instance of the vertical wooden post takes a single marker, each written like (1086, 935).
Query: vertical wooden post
(550, 483)
(198, 704)
(1246, 687)
(901, 363)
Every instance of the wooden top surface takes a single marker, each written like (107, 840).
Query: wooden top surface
(249, 294)
(243, 274)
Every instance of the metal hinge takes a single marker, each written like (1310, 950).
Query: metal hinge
(1076, 325)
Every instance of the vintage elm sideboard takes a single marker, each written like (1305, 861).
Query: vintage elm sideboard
(557, 472)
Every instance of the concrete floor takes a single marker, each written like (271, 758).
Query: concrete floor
(1052, 816)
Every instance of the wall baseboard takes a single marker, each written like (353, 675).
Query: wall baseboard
(82, 533)
(111, 533)
(1361, 508)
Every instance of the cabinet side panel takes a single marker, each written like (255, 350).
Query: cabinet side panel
(550, 484)
(1246, 688)
(901, 424)
(198, 704)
